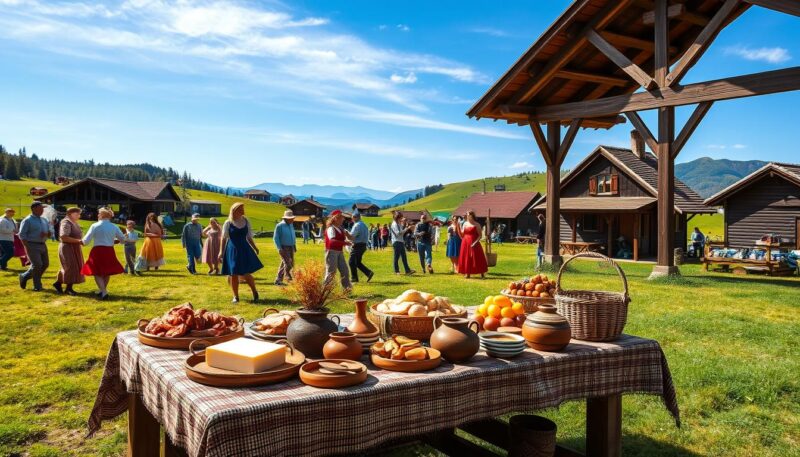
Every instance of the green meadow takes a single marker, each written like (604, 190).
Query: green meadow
(731, 342)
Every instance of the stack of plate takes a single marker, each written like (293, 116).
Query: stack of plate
(504, 345)
(368, 339)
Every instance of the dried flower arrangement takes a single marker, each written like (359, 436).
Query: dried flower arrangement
(309, 289)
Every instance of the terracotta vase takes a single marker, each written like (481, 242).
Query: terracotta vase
(361, 324)
(546, 330)
(343, 345)
(311, 330)
(454, 338)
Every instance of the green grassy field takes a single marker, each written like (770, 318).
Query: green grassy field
(453, 194)
(731, 342)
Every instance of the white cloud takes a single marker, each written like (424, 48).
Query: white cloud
(403, 27)
(520, 165)
(409, 78)
(489, 31)
(739, 146)
(773, 55)
(726, 146)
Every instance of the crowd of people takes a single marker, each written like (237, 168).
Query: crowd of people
(229, 249)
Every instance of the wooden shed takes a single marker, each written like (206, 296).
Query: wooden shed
(765, 201)
(308, 207)
(414, 216)
(134, 199)
(259, 195)
(288, 200)
(367, 209)
(510, 209)
(205, 207)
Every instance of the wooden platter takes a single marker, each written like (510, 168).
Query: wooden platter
(198, 371)
(184, 341)
(409, 366)
(258, 334)
(310, 374)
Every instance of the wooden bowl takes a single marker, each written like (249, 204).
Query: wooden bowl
(531, 304)
(416, 328)
(309, 374)
(198, 371)
(409, 366)
(183, 342)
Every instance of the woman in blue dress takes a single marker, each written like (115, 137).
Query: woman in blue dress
(453, 244)
(238, 252)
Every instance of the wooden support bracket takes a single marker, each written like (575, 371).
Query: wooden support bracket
(645, 132)
(688, 129)
(623, 62)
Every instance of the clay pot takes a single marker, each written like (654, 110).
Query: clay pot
(454, 338)
(343, 345)
(311, 330)
(546, 330)
(361, 324)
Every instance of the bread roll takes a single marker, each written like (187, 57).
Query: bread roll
(432, 304)
(382, 308)
(417, 310)
(412, 296)
(400, 308)
(416, 354)
(427, 296)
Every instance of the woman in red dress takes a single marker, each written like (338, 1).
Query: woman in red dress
(471, 260)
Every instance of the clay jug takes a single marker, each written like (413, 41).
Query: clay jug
(361, 324)
(310, 331)
(454, 338)
(343, 345)
(546, 330)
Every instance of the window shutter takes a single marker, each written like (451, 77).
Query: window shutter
(615, 184)
(593, 185)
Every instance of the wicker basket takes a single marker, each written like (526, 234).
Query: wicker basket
(417, 328)
(593, 315)
(531, 304)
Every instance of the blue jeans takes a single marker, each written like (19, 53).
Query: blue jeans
(425, 251)
(539, 254)
(400, 253)
(6, 253)
(194, 250)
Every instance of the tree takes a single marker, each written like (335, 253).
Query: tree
(42, 175)
(11, 171)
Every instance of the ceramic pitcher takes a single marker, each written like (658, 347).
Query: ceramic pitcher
(454, 338)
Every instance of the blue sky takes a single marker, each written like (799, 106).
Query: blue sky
(331, 92)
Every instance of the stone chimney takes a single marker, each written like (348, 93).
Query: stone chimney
(637, 144)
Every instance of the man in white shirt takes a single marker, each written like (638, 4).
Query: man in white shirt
(397, 233)
(8, 227)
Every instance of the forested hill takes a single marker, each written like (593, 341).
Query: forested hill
(708, 176)
(19, 165)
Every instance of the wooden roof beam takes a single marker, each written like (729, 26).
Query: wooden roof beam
(555, 63)
(679, 12)
(784, 6)
(591, 77)
(769, 82)
(613, 54)
(632, 42)
(645, 132)
(702, 42)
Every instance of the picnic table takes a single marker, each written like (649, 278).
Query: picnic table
(525, 239)
(577, 247)
(292, 418)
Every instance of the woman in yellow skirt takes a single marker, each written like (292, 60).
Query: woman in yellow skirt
(152, 250)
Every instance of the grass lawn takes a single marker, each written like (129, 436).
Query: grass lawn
(731, 342)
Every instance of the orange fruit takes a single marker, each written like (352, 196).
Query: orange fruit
(502, 301)
(488, 300)
(518, 308)
(483, 310)
(495, 311)
(540, 288)
(508, 312)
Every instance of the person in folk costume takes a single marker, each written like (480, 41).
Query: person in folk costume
(8, 230)
(70, 254)
(453, 243)
(34, 231)
(152, 249)
(471, 259)
(238, 252)
(213, 235)
(102, 262)
(336, 238)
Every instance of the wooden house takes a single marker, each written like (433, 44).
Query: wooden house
(258, 195)
(512, 209)
(765, 201)
(62, 180)
(414, 216)
(367, 209)
(288, 200)
(205, 207)
(308, 207)
(37, 191)
(612, 194)
(134, 199)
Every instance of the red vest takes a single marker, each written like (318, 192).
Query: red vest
(337, 242)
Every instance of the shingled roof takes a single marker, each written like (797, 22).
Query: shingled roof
(137, 190)
(504, 205)
(788, 171)
(643, 170)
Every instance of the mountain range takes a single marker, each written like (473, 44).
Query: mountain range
(708, 176)
(338, 196)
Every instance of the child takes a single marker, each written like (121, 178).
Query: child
(131, 237)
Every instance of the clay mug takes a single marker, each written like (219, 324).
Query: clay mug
(343, 345)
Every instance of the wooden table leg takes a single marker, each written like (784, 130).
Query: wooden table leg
(171, 449)
(144, 433)
(604, 426)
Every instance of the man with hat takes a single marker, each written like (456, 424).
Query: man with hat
(8, 227)
(286, 242)
(192, 241)
(34, 232)
(360, 234)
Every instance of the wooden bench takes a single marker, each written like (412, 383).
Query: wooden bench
(745, 266)
(577, 247)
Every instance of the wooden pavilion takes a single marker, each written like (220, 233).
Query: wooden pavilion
(133, 198)
(602, 59)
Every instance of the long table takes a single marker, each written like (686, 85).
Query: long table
(291, 418)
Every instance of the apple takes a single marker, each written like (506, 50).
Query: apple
(508, 322)
(491, 324)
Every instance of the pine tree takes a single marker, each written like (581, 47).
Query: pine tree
(11, 171)
(42, 175)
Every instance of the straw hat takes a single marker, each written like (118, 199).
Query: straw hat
(288, 214)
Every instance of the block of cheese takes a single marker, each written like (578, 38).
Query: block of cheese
(245, 355)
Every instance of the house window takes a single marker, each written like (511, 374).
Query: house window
(604, 184)
(589, 223)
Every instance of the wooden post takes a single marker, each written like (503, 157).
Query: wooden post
(604, 426)
(574, 233)
(553, 213)
(610, 236)
(637, 224)
(144, 433)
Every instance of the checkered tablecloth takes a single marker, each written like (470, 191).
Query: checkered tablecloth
(291, 418)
